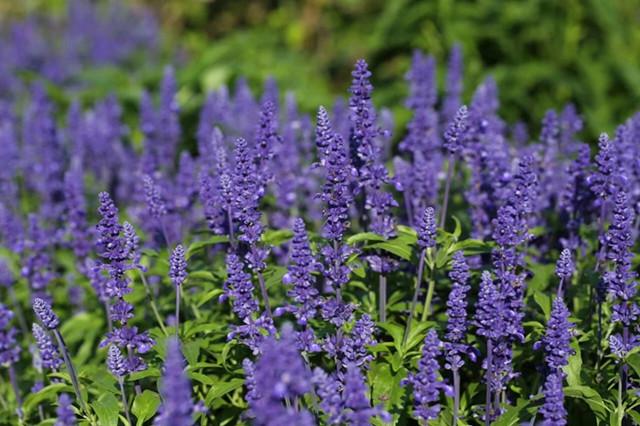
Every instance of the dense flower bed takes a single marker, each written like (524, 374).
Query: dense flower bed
(312, 271)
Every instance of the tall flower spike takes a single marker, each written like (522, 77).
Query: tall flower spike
(66, 416)
(565, 266)
(555, 342)
(362, 116)
(239, 288)
(358, 410)
(488, 309)
(300, 275)
(49, 355)
(279, 374)
(454, 135)
(324, 134)
(564, 269)
(177, 404)
(457, 324)
(553, 411)
(116, 362)
(155, 203)
(453, 88)
(427, 229)
(9, 349)
(45, 314)
(425, 383)
(336, 191)
(604, 181)
(178, 266)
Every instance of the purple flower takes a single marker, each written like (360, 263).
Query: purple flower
(487, 316)
(156, 205)
(416, 178)
(336, 192)
(37, 266)
(301, 275)
(177, 407)
(557, 338)
(427, 229)
(457, 322)
(6, 275)
(9, 349)
(132, 242)
(605, 180)
(109, 244)
(576, 198)
(66, 416)
(239, 288)
(45, 314)
(168, 136)
(362, 117)
(178, 266)
(565, 267)
(336, 270)
(328, 390)
(425, 383)
(134, 342)
(249, 191)
(553, 411)
(455, 132)
(354, 346)
(266, 140)
(453, 86)
(49, 355)
(357, 408)
(324, 135)
(116, 363)
(77, 215)
(279, 374)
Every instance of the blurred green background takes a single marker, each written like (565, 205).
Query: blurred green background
(542, 53)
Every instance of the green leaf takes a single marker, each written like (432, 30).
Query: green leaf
(511, 417)
(145, 406)
(417, 333)
(616, 416)
(199, 245)
(396, 332)
(191, 351)
(397, 248)
(107, 409)
(544, 302)
(386, 389)
(633, 361)
(221, 389)
(574, 367)
(458, 229)
(364, 236)
(276, 237)
(591, 397)
(49, 392)
(471, 247)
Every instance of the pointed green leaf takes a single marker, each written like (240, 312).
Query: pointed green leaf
(145, 406)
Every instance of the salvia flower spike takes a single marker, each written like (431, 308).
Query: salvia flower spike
(50, 320)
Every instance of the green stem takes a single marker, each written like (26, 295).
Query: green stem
(70, 368)
(177, 310)
(16, 390)
(445, 202)
(125, 404)
(414, 301)
(426, 311)
(152, 303)
(382, 301)
(265, 295)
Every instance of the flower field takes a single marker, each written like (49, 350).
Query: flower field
(269, 265)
